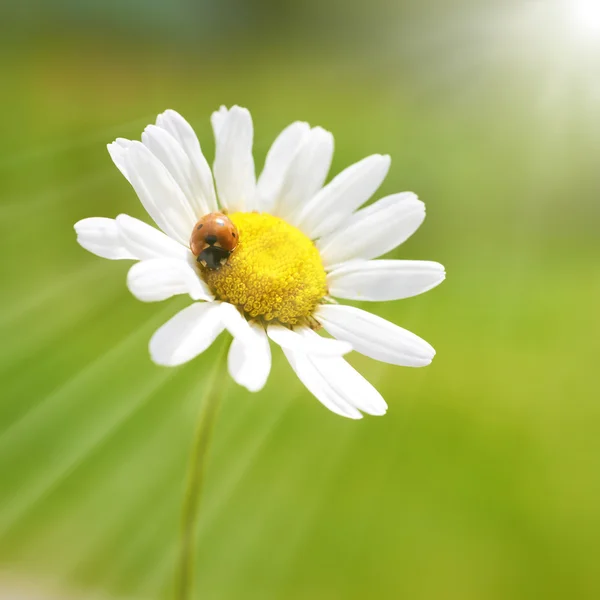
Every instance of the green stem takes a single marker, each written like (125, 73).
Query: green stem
(214, 391)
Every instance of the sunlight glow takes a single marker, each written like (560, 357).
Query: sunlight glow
(586, 15)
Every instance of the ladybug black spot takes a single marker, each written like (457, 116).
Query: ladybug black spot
(199, 227)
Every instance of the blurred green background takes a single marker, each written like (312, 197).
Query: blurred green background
(483, 480)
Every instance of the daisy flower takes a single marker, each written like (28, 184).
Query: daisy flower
(299, 245)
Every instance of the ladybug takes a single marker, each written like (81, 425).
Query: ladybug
(213, 239)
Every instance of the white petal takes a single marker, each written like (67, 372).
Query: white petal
(161, 278)
(297, 340)
(374, 230)
(319, 385)
(183, 132)
(218, 118)
(158, 192)
(279, 158)
(234, 164)
(117, 151)
(350, 384)
(375, 337)
(249, 358)
(346, 380)
(382, 280)
(233, 320)
(144, 241)
(101, 237)
(189, 333)
(306, 174)
(343, 195)
(168, 150)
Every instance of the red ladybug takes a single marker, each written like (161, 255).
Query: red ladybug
(213, 239)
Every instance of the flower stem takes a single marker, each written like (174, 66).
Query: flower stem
(214, 390)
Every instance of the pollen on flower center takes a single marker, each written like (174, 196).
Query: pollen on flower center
(275, 272)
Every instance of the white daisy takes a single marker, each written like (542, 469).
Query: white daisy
(301, 243)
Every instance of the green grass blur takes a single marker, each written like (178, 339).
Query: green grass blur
(481, 482)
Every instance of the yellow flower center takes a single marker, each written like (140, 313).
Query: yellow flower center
(275, 272)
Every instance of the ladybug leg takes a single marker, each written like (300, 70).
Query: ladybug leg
(213, 257)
